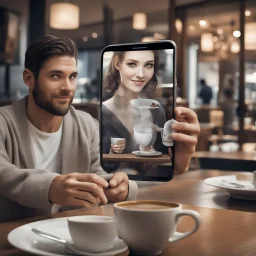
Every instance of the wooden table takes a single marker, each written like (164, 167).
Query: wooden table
(165, 158)
(245, 156)
(237, 161)
(223, 231)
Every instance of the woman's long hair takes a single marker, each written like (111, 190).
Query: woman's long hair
(111, 80)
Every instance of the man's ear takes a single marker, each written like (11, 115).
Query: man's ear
(29, 79)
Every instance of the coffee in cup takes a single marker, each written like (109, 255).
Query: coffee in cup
(92, 233)
(146, 226)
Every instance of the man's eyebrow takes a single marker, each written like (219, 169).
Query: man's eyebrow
(55, 71)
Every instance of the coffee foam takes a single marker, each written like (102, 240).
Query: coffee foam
(147, 205)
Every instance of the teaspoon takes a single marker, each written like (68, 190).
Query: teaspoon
(51, 237)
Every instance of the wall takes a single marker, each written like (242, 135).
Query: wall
(21, 8)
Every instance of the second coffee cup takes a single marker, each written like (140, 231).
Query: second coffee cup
(146, 226)
(92, 233)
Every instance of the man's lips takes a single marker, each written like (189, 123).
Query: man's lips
(63, 97)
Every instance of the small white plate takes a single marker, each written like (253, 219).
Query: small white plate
(118, 247)
(246, 190)
(144, 103)
(145, 107)
(141, 153)
(24, 239)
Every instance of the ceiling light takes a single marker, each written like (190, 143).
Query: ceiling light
(64, 16)
(247, 13)
(85, 38)
(250, 36)
(139, 21)
(235, 47)
(178, 26)
(207, 42)
(94, 35)
(219, 31)
(236, 33)
(204, 24)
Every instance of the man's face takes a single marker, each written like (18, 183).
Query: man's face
(56, 85)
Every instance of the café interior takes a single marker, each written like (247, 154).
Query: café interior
(216, 42)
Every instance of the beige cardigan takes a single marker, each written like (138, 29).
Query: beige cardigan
(24, 189)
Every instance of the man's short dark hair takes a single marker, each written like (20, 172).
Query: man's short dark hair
(45, 47)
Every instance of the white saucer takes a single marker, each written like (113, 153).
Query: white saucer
(118, 247)
(246, 190)
(142, 153)
(24, 239)
(144, 103)
(149, 107)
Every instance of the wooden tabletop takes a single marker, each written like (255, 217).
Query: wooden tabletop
(226, 155)
(165, 158)
(223, 231)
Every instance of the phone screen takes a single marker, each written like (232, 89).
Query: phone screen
(137, 110)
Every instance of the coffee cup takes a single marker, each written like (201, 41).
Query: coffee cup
(166, 133)
(142, 134)
(118, 145)
(146, 226)
(117, 141)
(92, 233)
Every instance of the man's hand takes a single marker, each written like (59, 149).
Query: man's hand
(78, 189)
(118, 187)
(185, 135)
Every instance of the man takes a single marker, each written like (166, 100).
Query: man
(205, 92)
(49, 152)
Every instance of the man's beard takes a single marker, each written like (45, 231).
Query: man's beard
(42, 102)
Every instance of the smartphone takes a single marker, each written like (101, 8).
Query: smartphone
(137, 101)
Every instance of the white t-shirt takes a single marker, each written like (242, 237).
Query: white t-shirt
(46, 151)
(46, 148)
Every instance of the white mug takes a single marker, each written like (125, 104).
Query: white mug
(116, 141)
(146, 226)
(92, 233)
(143, 134)
(167, 130)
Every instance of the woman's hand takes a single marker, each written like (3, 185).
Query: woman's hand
(185, 134)
(119, 147)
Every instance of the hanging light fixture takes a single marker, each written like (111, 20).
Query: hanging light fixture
(178, 26)
(64, 16)
(207, 42)
(250, 36)
(235, 47)
(139, 21)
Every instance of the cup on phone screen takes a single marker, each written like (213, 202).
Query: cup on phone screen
(118, 145)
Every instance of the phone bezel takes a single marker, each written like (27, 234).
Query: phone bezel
(159, 45)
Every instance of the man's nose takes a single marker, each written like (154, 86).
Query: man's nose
(67, 85)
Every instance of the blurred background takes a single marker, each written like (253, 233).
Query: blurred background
(216, 54)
